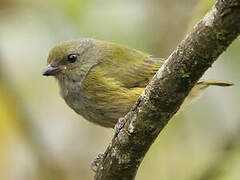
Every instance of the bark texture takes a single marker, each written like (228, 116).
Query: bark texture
(163, 97)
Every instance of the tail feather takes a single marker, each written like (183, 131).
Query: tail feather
(201, 85)
(215, 83)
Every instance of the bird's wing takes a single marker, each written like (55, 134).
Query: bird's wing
(140, 74)
(129, 67)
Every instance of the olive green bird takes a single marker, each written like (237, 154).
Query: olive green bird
(101, 81)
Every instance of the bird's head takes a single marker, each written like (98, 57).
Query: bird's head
(71, 58)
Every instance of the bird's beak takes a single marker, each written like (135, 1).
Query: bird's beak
(51, 70)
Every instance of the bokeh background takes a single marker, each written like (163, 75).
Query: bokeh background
(43, 139)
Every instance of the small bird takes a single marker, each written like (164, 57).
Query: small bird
(101, 80)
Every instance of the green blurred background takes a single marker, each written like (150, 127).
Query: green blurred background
(43, 139)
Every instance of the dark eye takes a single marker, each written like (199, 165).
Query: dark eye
(72, 57)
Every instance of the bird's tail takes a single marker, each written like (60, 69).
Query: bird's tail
(201, 85)
(210, 82)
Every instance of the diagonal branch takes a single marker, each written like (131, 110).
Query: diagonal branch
(168, 89)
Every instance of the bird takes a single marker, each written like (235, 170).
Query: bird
(102, 80)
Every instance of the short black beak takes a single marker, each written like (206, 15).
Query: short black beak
(51, 71)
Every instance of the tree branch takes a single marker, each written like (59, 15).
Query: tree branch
(168, 89)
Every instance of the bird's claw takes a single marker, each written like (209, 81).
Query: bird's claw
(119, 125)
(97, 161)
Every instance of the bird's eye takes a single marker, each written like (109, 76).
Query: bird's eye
(72, 57)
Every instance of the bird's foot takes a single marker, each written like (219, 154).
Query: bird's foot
(119, 125)
(97, 161)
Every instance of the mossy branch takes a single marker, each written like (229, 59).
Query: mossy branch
(163, 97)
